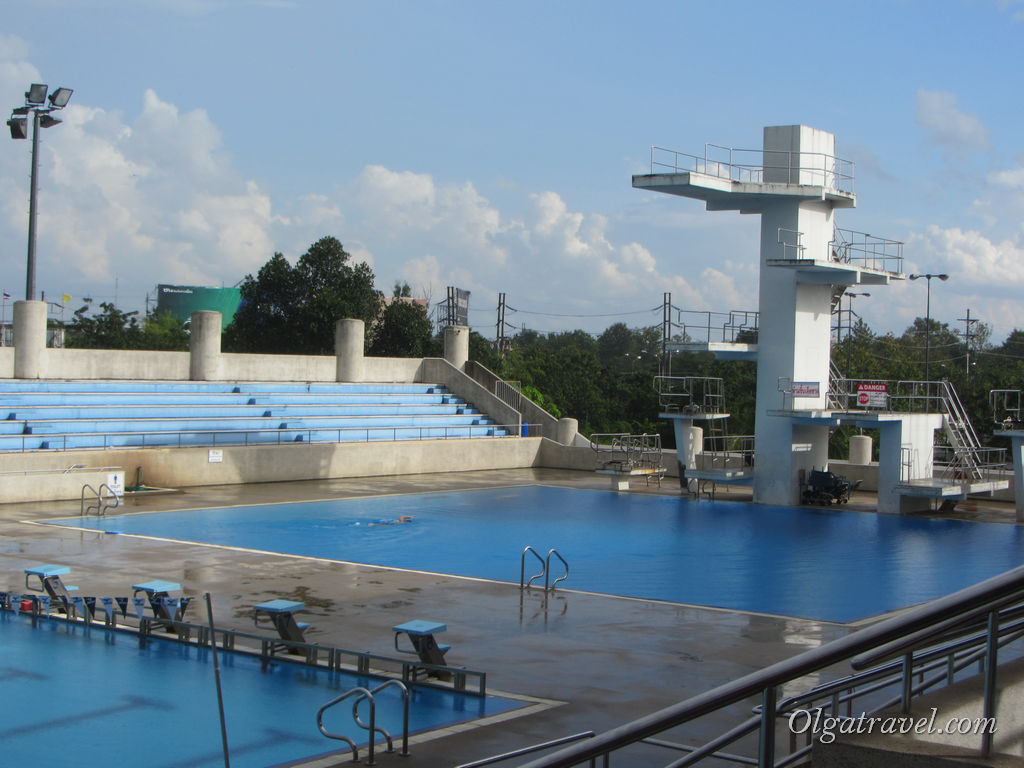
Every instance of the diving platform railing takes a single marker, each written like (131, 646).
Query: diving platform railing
(851, 247)
(915, 652)
(963, 458)
(737, 326)
(758, 166)
(847, 246)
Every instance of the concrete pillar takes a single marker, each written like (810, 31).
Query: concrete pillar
(456, 345)
(349, 340)
(1017, 454)
(204, 346)
(566, 431)
(860, 450)
(29, 339)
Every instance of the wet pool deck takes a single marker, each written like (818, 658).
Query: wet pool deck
(605, 660)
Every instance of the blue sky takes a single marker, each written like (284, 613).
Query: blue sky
(490, 146)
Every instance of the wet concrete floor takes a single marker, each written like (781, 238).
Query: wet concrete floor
(605, 660)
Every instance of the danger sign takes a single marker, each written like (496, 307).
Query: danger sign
(872, 394)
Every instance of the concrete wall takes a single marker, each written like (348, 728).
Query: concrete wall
(440, 371)
(6, 362)
(116, 364)
(541, 422)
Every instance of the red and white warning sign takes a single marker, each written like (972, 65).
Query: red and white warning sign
(872, 394)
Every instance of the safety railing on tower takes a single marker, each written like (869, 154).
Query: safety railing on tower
(861, 249)
(737, 326)
(755, 166)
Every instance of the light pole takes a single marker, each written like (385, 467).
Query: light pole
(35, 105)
(928, 322)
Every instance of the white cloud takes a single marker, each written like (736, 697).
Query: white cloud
(944, 124)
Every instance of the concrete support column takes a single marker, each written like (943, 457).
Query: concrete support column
(1017, 454)
(456, 345)
(566, 431)
(204, 346)
(349, 340)
(29, 339)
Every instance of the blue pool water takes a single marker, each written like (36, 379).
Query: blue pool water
(91, 698)
(827, 564)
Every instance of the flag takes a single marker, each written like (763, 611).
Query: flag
(65, 298)
(7, 296)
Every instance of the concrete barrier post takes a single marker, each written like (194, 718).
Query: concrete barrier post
(204, 346)
(349, 339)
(456, 345)
(29, 339)
(566, 431)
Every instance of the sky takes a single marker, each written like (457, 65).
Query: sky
(490, 146)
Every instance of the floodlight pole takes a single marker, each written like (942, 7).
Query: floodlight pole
(928, 322)
(30, 271)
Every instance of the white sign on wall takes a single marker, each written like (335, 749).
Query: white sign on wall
(216, 456)
(806, 388)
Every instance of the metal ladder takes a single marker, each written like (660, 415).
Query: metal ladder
(525, 583)
(366, 694)
(101, 506)
(960, 433)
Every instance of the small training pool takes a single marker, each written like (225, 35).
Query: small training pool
(92, 698)
(826, 564)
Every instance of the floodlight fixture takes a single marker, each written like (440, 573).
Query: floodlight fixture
(60, 97)
(35, 105)
(19, 127)
(36, 93)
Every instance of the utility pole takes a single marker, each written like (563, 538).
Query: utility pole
(666, 332)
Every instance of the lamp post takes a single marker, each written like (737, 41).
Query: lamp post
(35, 105)
(928, 321)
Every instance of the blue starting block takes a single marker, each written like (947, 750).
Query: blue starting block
(424, 644)
(281, 613)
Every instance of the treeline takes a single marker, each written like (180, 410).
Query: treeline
(605, 381)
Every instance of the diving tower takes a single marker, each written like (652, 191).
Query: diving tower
(796, 183)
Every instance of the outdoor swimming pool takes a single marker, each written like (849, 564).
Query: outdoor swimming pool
(91, 698)
(826, 564)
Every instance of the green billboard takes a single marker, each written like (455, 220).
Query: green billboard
(182, 300)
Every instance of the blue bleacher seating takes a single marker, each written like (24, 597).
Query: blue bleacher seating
(72, 415)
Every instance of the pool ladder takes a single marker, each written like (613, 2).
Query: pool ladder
(365, 694)
(102, 502)
(546, 569)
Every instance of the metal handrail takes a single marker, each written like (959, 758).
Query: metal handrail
(387, 736)
(364, 693)
(547, 569)
(284, 436)
(527, 750)
(922, 626)
(759, 166)
(522, 568)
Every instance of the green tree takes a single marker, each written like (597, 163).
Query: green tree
(294, 310)
(164, 331)
(110, 329)
(404, 330)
